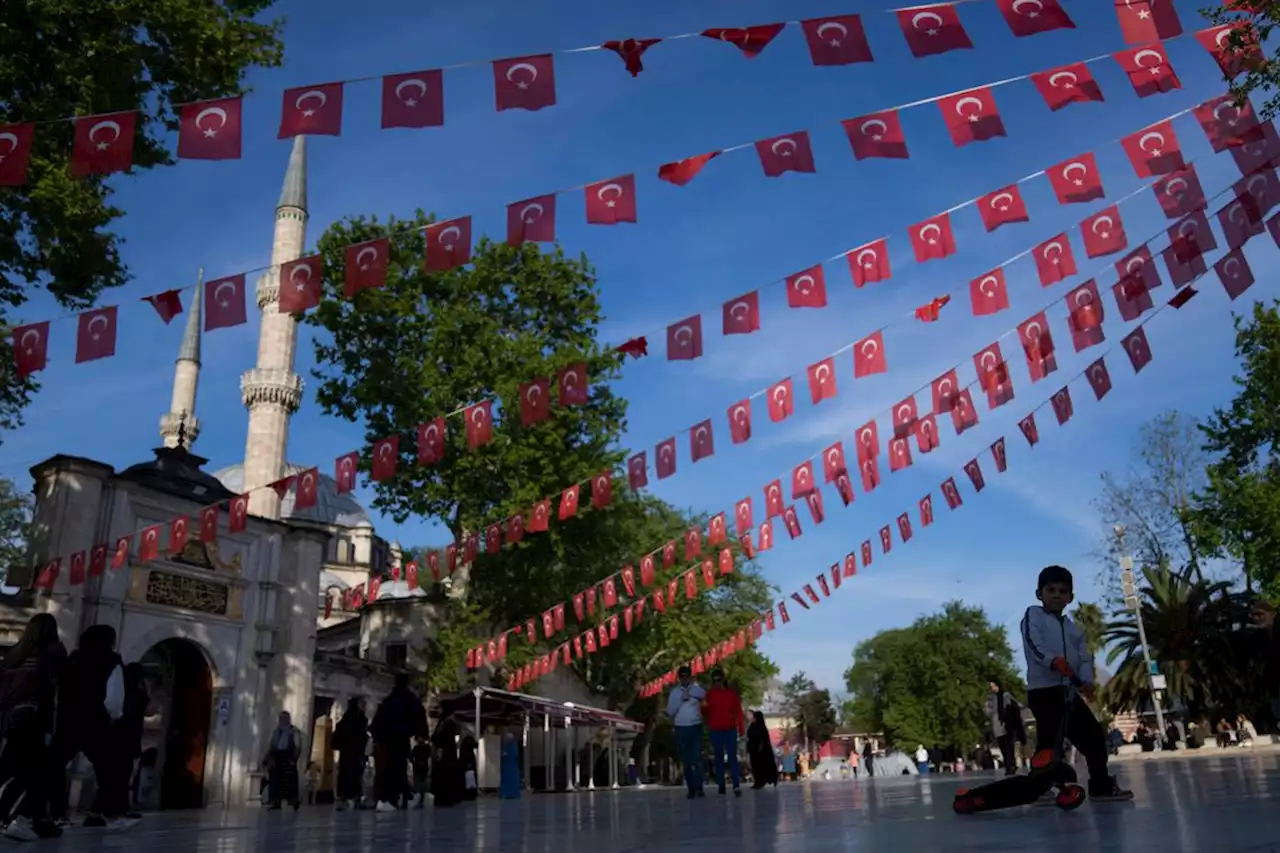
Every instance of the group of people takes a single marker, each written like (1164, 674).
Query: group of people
(443, 762)
(56, 706)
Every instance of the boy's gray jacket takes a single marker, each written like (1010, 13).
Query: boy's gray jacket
(1046, 636)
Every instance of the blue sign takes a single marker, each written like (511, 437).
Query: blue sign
(1153, 667)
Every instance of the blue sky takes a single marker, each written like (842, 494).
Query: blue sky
(728, 232)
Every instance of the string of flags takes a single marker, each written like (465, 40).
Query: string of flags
(212, 129)
(1188, 243)
(1189, 239)
(970, 115)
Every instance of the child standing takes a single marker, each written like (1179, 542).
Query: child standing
(1056, 651)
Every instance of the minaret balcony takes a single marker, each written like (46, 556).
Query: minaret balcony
(272, 386)
(175, 425)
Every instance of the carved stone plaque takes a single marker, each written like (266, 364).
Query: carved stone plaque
(172, 590)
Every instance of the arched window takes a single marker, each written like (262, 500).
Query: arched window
(343, 550)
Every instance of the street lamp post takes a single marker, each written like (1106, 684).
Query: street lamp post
(1154, 678)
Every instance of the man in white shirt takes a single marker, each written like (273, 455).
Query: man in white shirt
(684, 706)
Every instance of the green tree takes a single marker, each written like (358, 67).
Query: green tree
(815, 716)
(64, 58)
(1260, 71)
(1237, 514)
(15, 526)
(927, 683)
(1088, 617)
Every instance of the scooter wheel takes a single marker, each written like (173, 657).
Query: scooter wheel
(1072, 796)
(963, 805)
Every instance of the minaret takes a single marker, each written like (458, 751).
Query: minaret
(272, 391)
(181, 420)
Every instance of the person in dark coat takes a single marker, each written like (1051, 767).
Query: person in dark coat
(351, 739)
(764, 764)
(129, 727)
(869, 759)
(281, 762)
(400, 717)
(28, 696)
(467, 757)
(448, 781)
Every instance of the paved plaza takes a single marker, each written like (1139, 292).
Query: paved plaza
(1219, 805)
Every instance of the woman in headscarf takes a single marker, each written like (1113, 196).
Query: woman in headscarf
(764, 766)
(467, 756)
(351, 740)
(448, 782)
(28, 692)
(281, 762)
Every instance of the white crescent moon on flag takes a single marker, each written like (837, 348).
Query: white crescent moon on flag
(308, 95)
(780, 395)
(965, 101)
(785, 141)
(926, 16)
(928, 228)
(1258, 180)
(803, 287)
(1134, 264)
(300, 268)
(452, 230)
(1071, 167)
(616, 188)
(1217, 111)
(899, 446)
(740, 414)
(219, 112)
(982, 287)
(1222, 36)
(1096, 374)
(1034, 331)
(665, 452)
(802, 476)
(869, 349)
(29, 333)
(372, 252)
(570, 380)
(1039, 7)
(881, 127)
(1232, 263)
(345, 465)
(683, 335)
(832, 25)
(1188, 228)
(773, 491)
(871, 258)
(988, 361)
(866, 437)
(537, 210)
(308, 481)
(411, 83)
(905, 414)
(384, 450)
(822, 373)
(1176, 188)
(1152, 134)
(1135, 347)
(1236, 207)
(1142, 54)
(12, 140)
(226, 283)
(1006, 197)
(1100, 221)
(945, 388)
(1054, 245)
(478, 417)
(522, 66)
(532, 394)
(739, 314)
(1070, 76)
(99, 318)
(1083, 297)
(109, 125)
(834, 458)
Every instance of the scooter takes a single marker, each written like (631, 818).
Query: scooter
(1050, 771)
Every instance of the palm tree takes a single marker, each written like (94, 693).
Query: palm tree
(1089, 619)
(1188, 635)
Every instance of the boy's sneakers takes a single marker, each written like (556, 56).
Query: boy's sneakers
(20, 829)
(384, 806)
(1108, 790)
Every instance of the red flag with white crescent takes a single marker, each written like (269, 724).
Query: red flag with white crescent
(414, 99)
(103, 144)
(210, 130)
(311, 111)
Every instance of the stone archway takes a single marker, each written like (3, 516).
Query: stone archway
(176, 743)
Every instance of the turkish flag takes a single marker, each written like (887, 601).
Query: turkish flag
(951, 494)
(1085, 316)
(366, 265)
(963, 415)
(931, 30)
(1139, 351)
(1066, 85)
(208, 524)
(1076, 180)
(431, 435)
(765, 536)
(945, 390)
(869, 263)
(668, 555)
(470, 547)
(612, 201)
(886, 539)
(1263, 187)
(692, 543)
(1227, 125)
(305, 497)
(1154, 150)
(850, 565)
(179, 534)
(773, 505)
(807, 288)
(238, 514)
(1233, 59)
(899, 454)
(300, 282)
(449, 244)
(15, 153)
(1030, 17)
(535, 401)
(716, 532)
(571, 382)
(781, 401)
(386, 453)
(48, 574)
(802, 481)
(1029, 429)
(988, 364)
(103, 144)
(77, 574)
(904, 416)
(515, 528)
(637, 472)
(1104, 233)
(933, 239)
(451, 555)
(932, 310)
(839, 40)
(971, 116)
(866, 553)
(1239, 220)
(224, 303)
(568, 503)
(120, 554)
(684, 339)
(998, 454)
(631, 50)
(926, 433)
(833, 464)
(31, 347)
(1132, 299)
(1234, 273)
(479, 424)
(96, 334)
(926, 510)
(168, 304)
(750, 40)
(539, 516)
(742, 315)
(665, 458)
(524, 83)
(792, 522)
(1099, 378)
(210, 130)
(311, 111)
(1002, 207)
(1180, 194)
(988, 293)
(532, 220)
(869, 356)
(904, 528)
(743, 516)
(415, 99)
(1259, 152)
(701, 441)
(1190, 239)
(1062, 408)
(1182, 271)
(1143, 21)
(1148, 69)
(877, 135)
(740, 421)
(149, 547)
(683, 171)
(411, 575)
(1037, 346)
(1139, 268)
(789, 153)
(98, 559)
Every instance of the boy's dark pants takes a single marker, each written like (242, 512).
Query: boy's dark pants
(1048, 704)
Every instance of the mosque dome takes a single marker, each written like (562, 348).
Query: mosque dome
(332, 507)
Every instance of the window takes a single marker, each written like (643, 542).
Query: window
(397, 654)
(343, 550)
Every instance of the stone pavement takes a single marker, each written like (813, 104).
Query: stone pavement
(1218, 805)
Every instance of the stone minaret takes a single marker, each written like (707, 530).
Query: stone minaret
(181, 417)
(272, 391)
